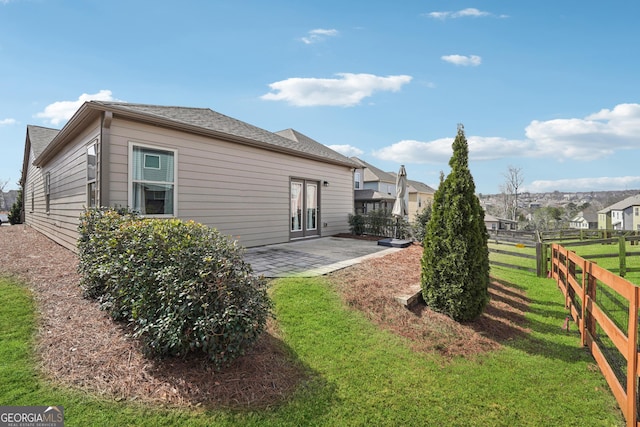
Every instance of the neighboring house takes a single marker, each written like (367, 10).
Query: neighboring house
(190, 163)
(624, 215)
(584, 221)
(420, 197)
(374, 189)
(494, 223)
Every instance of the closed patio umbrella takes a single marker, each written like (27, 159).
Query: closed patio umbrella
(400, 209)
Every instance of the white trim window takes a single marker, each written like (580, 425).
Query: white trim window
(152, 180)
(92, 156)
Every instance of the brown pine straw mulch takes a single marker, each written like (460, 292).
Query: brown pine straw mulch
(371, 287)
(78, 345)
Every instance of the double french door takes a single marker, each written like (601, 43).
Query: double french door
(305, 212)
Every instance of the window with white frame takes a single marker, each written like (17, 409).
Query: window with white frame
(91, 176)
(357, 180)
(153, 180)
(47, 191)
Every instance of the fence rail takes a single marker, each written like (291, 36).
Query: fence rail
(542, 241)
(581, 282)
(512, 254)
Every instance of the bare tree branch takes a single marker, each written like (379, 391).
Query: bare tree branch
(513, 180)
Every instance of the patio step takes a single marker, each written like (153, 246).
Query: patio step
(411, 298)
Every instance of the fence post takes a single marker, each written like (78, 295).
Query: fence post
(591, 293)
(583, 297)
(541, 259)
(622, 255)
(632, 359)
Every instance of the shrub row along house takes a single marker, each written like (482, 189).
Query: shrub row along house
(190, 163)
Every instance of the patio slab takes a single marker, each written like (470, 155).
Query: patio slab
(312, 257)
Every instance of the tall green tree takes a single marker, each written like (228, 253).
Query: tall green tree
(455, 262)
(15, 214)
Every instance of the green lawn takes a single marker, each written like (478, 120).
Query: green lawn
(359, 375)
(612, 264)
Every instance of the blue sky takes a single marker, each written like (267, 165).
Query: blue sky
(550, 87)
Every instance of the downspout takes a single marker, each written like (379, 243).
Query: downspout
(102, 174)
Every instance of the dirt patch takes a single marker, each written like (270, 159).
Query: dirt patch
(79, 345)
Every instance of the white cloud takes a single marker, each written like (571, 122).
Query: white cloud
(594, 137)
(473, 60)
(347, 90)
(318, 35)
(62, 111)
(470, 11)
(347, 150)
(8, 122)
(473, 12)
(584, 184)
(440, 150)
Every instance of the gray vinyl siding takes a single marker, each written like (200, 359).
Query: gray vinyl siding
(240, 190)
(68, 198)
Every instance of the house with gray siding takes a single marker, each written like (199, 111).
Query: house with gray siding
(374, 189)
(195, 164)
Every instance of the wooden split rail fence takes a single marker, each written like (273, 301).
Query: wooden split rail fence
(611, 333)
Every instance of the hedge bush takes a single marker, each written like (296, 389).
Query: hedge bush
(183, 286)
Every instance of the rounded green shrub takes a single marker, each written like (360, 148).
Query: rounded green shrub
(183, 286)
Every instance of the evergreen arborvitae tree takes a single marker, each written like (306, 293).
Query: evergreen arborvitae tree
(15, 214)
(455, 262)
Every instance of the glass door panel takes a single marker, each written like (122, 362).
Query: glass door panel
(296, 206)
(305, 208)
(312, 207)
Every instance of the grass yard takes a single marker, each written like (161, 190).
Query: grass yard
(512, 259)
(613, 264)
(358, 374)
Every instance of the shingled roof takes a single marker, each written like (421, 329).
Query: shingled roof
(420, 187)
(372, 173)
(207, 119)
(623, 204)
(40, 137)
(202, 121)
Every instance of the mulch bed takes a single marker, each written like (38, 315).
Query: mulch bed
(371, 287)
(78, 345)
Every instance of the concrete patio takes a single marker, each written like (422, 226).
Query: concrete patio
(312, 257)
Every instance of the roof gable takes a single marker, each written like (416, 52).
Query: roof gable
(373, 174)
(420, 187)
(312, 145)
(40, 137)
(623, 204)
